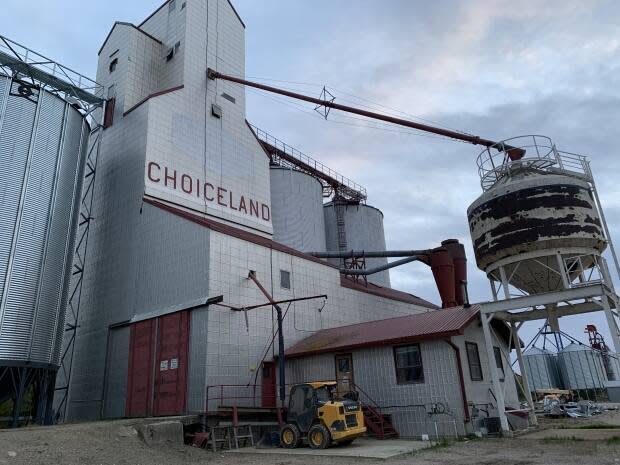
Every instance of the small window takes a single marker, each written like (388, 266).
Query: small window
(113, 64)
(108, 115)
(183, 5)
(499, 363)
(170, 54)
(285, 279)
(228, 97)
(473, 358)
(177, 46)
(172, 5)
(408, 362)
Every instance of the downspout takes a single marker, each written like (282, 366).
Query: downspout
(459, 366)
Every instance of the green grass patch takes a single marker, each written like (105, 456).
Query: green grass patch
(598, 426)
(443, 442)
(561, 439)
(613, 440)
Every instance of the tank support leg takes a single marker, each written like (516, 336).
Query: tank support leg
(611, 322)
(526, 384)
(497, 387)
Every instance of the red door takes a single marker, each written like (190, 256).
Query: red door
(268, 385)
(171, 364)
(140, 373)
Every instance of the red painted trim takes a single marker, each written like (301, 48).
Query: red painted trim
(459, 366)
(155, 94)
(386, 292)
(384, 342)
(123, 23)
(235, 232)
(268, 243)
(257, 139)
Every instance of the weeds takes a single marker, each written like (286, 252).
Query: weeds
(556, 440)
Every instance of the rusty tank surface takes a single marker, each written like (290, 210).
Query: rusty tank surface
(531, 210)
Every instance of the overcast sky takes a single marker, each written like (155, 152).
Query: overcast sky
(493, 68)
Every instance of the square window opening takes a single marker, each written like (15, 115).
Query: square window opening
(285, 279)
(113, 64)
(499, 363)
(170, 54)
(408, 364)
(473, 359)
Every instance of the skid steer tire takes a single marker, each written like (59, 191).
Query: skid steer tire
(290, 436)
(319, 437)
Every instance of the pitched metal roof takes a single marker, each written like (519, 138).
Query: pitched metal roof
(434, 324)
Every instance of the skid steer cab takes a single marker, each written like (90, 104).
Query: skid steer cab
(316, 415)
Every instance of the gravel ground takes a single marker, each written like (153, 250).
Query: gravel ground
(116, 442)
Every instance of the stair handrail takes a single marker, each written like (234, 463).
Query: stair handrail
(375, 408)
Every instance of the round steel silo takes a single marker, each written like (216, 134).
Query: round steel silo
(297, 209)
(43, 139)
(532, 211)
(541, 369)
(354, 226)
(581, 367)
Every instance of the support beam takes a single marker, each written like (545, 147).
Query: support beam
(497, 387)
(535, 300)
(524, 378)
(612, 323)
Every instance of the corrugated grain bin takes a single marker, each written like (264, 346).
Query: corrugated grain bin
(297, 210)
(541, 369)
(363, 230)
(581, 367)
(42, 143)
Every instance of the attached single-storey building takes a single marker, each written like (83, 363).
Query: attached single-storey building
(427, 373)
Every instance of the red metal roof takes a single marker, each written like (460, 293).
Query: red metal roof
(434, 324)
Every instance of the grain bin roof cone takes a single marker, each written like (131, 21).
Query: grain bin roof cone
(531, 210)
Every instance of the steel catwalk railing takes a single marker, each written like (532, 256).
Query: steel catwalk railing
(494, 163)
(351, 188)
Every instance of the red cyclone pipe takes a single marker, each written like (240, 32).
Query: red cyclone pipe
(459, 259)
(443, 272)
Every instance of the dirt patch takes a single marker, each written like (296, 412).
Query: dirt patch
(115, 442)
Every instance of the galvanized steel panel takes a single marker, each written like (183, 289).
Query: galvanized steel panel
(297, 207)
(364, 231)
(38, 195)
(581, 367)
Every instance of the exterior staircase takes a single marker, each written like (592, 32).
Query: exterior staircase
(378, 424)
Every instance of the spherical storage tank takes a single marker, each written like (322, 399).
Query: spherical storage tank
(363, 230)
(530, 210)
(541, 369)
(581, 367)
(42, 144)
(297, 209)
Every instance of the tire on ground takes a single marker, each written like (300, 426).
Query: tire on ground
(289, 436)
(319, 437)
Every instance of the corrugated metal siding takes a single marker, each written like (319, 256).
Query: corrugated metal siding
(116, 373)
(297, 206)
(374, 372)
(37, 198)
